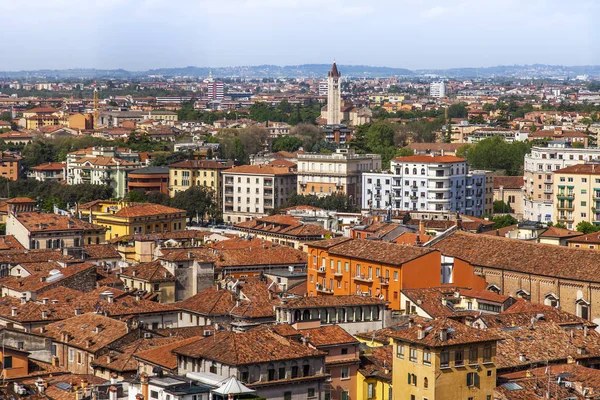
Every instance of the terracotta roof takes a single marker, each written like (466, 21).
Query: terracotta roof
(328, 243)
(283, 163)
(501, 231)
(378, 363)
(251, 347)
(283, 225)
(186, 332)
(14, 257)
(150, 272)
(521, 256)
(554, 232)
(42, 222)
(163, 355)
(80, 330)
(330, 301)
(508, 182)
(436, 147)
(583, 169)
(104, 160)
(457, 333)
(9, 242)
(381, 252)
(300, 289)
(21, 200)
(430, 159)
(122, 359)
(100, 251)
(329, 335)
(241, 243)
(38, 280)
(56, 166)
(200, 164)
(410, 238)
(259, 170)
(384, 335)
(144, 210)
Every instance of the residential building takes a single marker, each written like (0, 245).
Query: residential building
(324, 174)
(141, 218)
(277, 367)
(150, 277)
(149, 179)
(341, 361)
(538, 193)
(337, 133)
(539, 273)
(374, 379)
(283, 229)
(334, 96)
(81, 122)
(438, 149)
(437, 89)
(343, 266)
(17, 137)
(10, 166)
(197, 173)
(252, 191)
(102, 166)
(509, 189)
(508, 135)
(589, 241)
(215, 90)
(36, 230)
(444, 359)
(428, 183)
(56, 171)
(577, 189)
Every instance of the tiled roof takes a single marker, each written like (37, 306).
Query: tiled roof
(283, 225)
(259, 170)
(585, 169)
(122, 359)
(163, 355)
(508, 182)
(520, 256)
(457, 333)
(554, 232)
(384, 335)
(9, 242)
(430, 159)
(149, 272)
(591, 238)
(38, 280)
(18, 256)
(501, 231)
(328, 243)
(104, 161)
(329, 335)
(300, 289)
(521, 312)
(100, 251)
(37, 222)
(410, 238)
(200, 164)
(186, 332)
(381, 252)
(56, 166)
(449, 147)
(81, 331)
(378, 363)
(144, 210)
(242, 243)
(330, 301)
(20, 200)
(251, 347)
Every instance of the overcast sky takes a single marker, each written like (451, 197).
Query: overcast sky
(143, 34)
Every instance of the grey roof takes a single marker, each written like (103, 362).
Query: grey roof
(151, 170)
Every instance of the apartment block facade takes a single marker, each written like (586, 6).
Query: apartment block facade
(252, 191)
(577, 189)
(429, 183)
(340, 172)
(539, 167)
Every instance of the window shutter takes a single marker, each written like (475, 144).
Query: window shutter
(409, 378)
(476, 379)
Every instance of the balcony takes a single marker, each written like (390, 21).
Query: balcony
(323, 289)
(338, 274)
(384, 281)
(548, 191)
(548, 181)
(321, 270)
(566, 196)
(269, 183)
(414, 199)
(566, 207)
(437, 189)
(363, 278)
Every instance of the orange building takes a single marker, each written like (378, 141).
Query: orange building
(15, 363)
(344, 266)
(10, 166)
(81, 121)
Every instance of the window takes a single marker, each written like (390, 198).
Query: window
(345, 395)
(245, 376)
(281, 374)
(426, 357)
(345, 350)
(154, 394)
(412, 379)
(487, 353)
(271, 374)
(396, 276)
(287, 395)
(371, 391)
(71, 355)
(473, 355)
(472, 379)
(345, 373)
(79, 359)
(459, 357)
(412, 354)
(311, 392)
(444, 359)
(400, 351)
(294, 371)
(8, 362)
(426, 383)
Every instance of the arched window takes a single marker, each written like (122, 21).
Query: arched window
(422, 171)
(359, 314)
(97, 240)
(89, 240)
(425, 383)
(297, 315)
(406, 170)
(451, 171)
(306, 315)
(414, 171)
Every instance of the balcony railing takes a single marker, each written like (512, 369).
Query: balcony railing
(384, 281)
(363, 278)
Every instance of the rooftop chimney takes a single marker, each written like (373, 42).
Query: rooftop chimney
(444, 334)
(420, 332)
(23, 299)
(14, 311)
(44, 314)
(45, 300)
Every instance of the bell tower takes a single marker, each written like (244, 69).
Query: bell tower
(333, 96)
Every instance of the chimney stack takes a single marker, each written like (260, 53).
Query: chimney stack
(444, 334)
(420, 332)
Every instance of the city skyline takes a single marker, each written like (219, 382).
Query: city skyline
(157, 34)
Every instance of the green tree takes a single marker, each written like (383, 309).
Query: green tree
(586, 227)
(198, 203)
(458, 110)
(286, 143)
(405, 152)
(496, 154)
(136, 196)
(503, 221)
(500, 207)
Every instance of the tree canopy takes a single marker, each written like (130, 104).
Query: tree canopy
(496, 154)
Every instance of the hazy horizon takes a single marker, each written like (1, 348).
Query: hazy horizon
(138, 35)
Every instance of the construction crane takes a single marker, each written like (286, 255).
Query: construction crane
(95, 106)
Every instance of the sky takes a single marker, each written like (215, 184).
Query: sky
(415, 34)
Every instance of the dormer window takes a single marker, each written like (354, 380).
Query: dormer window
(523, 294)
(551, 299)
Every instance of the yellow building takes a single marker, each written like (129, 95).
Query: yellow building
(577, 190)
(206, 173)
(81, 121)
(140, 218)
(151, 277)
(374, 378)
(443, 360)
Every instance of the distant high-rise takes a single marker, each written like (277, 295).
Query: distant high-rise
(333, 96)
(437, 89)
(215, 91)
(323, 88)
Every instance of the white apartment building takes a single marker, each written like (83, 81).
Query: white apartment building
(340, 172)
(437, 89)
(102, 166)
(428, 183)
(538, 169)
(252, 191)
(323, 88)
